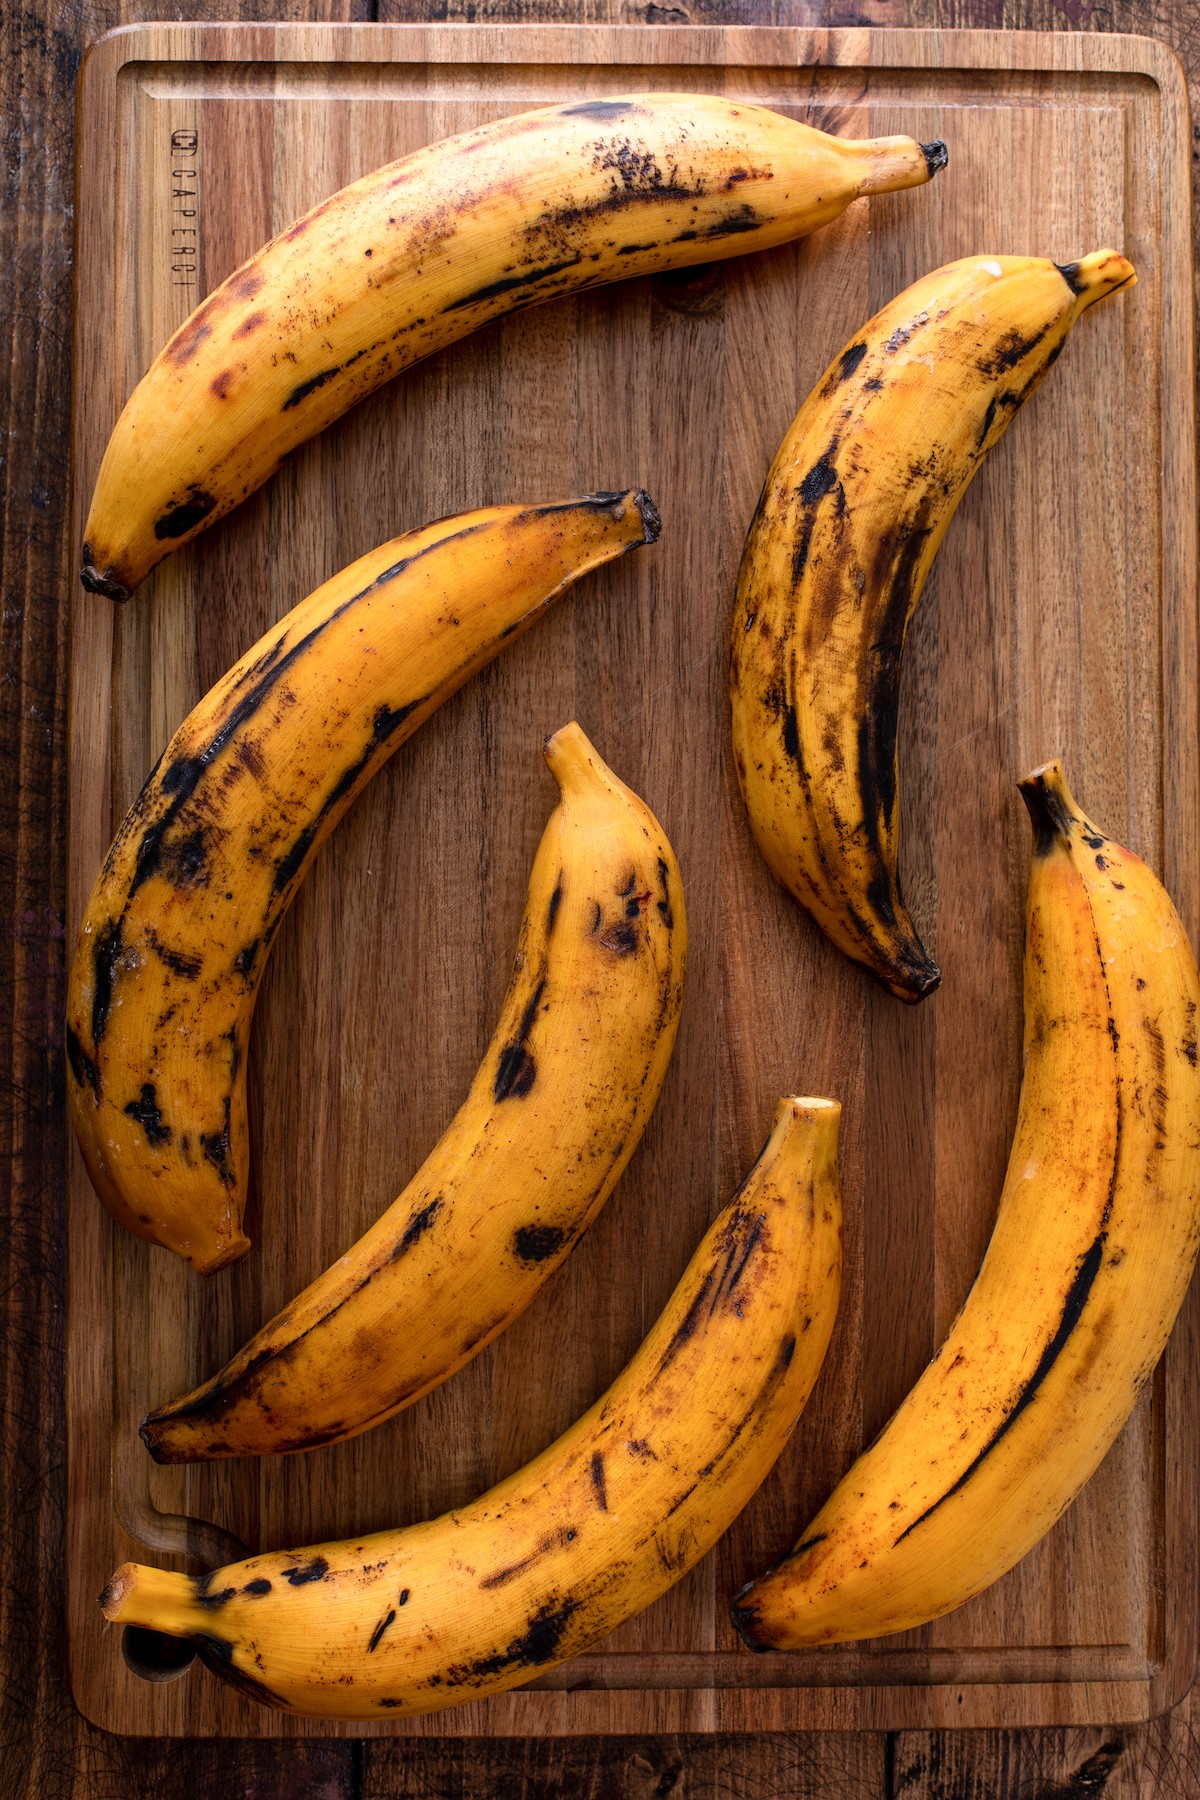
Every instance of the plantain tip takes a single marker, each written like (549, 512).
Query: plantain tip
(936, 156)
(207, 1262)
(148, 1432)
(745, 1620)
(96, 582)
(914, 984)
(651, 521)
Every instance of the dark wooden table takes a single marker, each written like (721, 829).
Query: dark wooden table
(46, 1750)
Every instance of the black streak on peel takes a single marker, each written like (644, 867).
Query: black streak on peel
(1077, 1293)
(598, 1480)
(305, 388)
(81, 1065)
(316, 1570)
(739, 1241)
(536, 1645)
(243, 962)
(188, 967)
(416, 1228)
(846, 365)
(205, 1595)
(744, 219)
(105, 951)
(664, 905)
(508, 283)
(216, 1146)
(894, 575)
(517, 1071)
(807, 1544)
(821, 478)
(380, 1629)
(211, 1400)
(217, 1655)
(385, 724)
(1011, 349)
(181, 517)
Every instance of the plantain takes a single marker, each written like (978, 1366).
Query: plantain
(554, 1114)
(416, 255)
(590, 1532)
(181, 920)
(1089, 1260)
(850, 519)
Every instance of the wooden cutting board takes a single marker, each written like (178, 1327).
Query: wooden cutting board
(1060, 618)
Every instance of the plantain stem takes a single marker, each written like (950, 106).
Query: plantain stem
(159, 1598)
(896, 162)
(1052, 811)
(1097, 274)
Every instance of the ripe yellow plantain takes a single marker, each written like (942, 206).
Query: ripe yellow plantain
(554, 1114)
(184, 911)
(1088, 1264)
(586, 1535)
(416, 255)
(850, 520)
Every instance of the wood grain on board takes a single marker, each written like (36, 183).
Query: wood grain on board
(1060, 619)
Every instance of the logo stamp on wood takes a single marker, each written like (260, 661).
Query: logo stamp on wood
(185, 201)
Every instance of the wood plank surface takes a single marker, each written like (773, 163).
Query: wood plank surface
(48, 1749)
(1060, 619)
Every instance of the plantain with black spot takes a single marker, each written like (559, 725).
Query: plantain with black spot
(181, 920)
(1092, 1251)
(850, 519)
(415, 255)
(552, 1559)
(556, 1109)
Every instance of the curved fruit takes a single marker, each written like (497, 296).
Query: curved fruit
(850, 520)
(554, 1114)
(592, 1530)
(1088, 1264)
(210, 856)
(416, 255)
